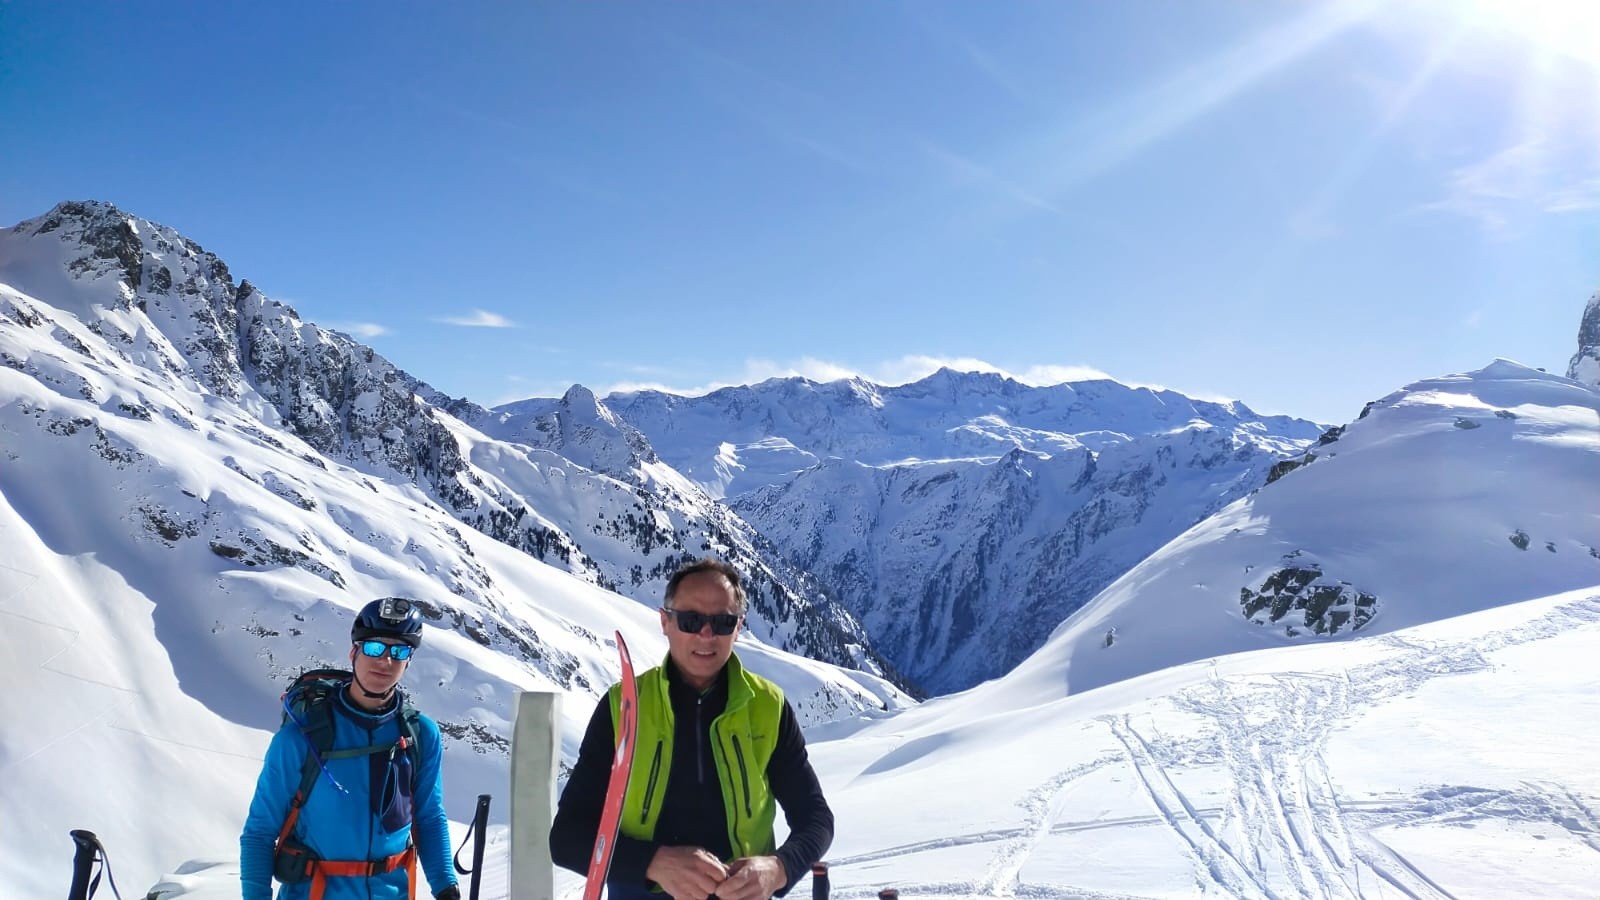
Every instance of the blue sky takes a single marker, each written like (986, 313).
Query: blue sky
(1302, 206)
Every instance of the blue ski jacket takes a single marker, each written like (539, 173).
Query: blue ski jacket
(375, 807)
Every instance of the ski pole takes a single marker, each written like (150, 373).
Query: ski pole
(82, 862)
(819, 881)
(89, 851)
(480, 821)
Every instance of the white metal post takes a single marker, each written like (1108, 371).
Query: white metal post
(535, 752)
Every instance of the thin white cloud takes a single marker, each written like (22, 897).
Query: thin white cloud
(360, 329)
(1580, 196)
(1534, 176)
(479, 319)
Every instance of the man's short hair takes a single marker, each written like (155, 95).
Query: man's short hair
(715, 566)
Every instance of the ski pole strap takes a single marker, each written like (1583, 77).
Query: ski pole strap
(819, 881)
(466, 839)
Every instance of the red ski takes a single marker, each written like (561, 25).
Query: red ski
(621, 764)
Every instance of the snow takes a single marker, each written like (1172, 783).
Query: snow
(1446, 759)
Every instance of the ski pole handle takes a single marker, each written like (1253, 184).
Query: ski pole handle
(88, 846)
(819, 881)
(480, 821)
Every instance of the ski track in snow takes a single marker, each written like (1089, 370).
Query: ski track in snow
(1286, 833)
(1004, 874)
(1215, 863)
(1282, 830)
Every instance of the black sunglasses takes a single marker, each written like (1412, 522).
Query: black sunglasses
(690, 622)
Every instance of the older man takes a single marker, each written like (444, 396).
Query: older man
(719, 750)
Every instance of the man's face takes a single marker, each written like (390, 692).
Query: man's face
(377, 673)
(700, 656)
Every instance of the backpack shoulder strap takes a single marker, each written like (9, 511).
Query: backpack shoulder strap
(410, 728)
(315, 723)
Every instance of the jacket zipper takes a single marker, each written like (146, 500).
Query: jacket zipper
(700, 740)
(744, 776)
(650, 789)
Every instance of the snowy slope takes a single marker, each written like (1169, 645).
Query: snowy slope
(1445, 760)
(143, 693)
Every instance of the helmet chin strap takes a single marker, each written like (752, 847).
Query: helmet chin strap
(370, 695)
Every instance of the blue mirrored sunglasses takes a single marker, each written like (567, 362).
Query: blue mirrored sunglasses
(375, 649)
(690, 622)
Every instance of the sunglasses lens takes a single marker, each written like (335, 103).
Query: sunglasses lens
(376, 649)
(722, 624)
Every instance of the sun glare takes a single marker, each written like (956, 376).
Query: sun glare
(1569, 28)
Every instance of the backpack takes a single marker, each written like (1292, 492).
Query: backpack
(308, 703)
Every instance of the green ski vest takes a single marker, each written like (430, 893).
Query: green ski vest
(743, 738)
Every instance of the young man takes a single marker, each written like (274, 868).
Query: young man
(718, 751)
(377, 806)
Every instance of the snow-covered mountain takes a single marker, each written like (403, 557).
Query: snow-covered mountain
(1448, 496)
(197, 490)
(136, 320)
(963, 516)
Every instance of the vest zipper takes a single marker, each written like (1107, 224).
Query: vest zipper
(650, 789)
(744, 776)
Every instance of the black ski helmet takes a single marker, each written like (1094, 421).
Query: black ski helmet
(392, 617)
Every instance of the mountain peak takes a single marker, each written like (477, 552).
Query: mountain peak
(1585, 365)
(83, 211)
(580, 399)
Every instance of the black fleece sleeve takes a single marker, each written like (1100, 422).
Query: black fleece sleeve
(578, 813)
(795, 787)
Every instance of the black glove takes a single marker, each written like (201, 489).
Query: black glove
(450, 893)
